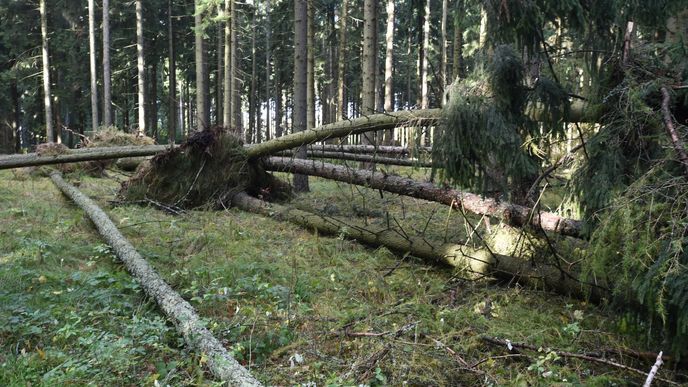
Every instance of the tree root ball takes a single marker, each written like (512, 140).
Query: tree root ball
(206, 171)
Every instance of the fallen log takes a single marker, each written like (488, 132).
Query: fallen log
(478, 261)
(188, 323)
(367, 158)
(82, 154)
(334, 130)
(512, 214)
(345, 128)
(375, 149)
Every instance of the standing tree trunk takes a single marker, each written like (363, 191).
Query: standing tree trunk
(47, 99)
(368, 64)
(16, 118)
(424, 103)
(279, 109)
(341, 59)
(92, 58)
(300, 81)
(219, 70)
(202, 111)
(107, 94)
(443, 51)
(457, 67)
(268, 29)
(172, 113)
(234, 71)
(227, 97)
(141, 68)
(310, 66)
(389, 68)
(154, 101)
(253, 106)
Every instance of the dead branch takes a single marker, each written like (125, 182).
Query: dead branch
(511, 345)
(679, 147)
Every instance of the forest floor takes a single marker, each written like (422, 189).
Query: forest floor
(295, 307)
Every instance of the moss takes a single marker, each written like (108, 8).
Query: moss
(205, 171)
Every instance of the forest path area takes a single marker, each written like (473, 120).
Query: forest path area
(291, 305)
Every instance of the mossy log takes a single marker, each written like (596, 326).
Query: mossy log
(75, 155)
(512, 214)
(366, 158)
(477, 261)
(188, 323)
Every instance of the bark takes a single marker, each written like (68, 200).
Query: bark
(477, 261)
(219, 68)
(341, 61)
(47, 98)
(389, 69)
(172, 113)
(82, 154)
(92, 60)
(365, 158)
(202, 111)
(279, 112)
(220, 363)
(107, 78)
(227, 94)
(511, 214)
(368, 64)
(300, 86)
(343, 129)
(141, 68)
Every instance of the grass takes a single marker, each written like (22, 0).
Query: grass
(291, 305)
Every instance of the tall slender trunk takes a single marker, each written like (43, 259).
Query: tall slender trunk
(16, 117)
(457, 66)
(227, 97)
(310, 66)
(140, 65)
(389, 68)
(47, 99)
(107, 77)
(268, 29)
(236, 102)
(300, 81)
(424, 57)
(154, 101)
(92, 59)
(482, 37)
(368, 64)
(279, 107)
(253, 98)
(443, 51)
(202, 111)
(172, 103)
(341, 59)
(219, 69)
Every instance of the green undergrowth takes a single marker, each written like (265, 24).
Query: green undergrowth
(295, 307)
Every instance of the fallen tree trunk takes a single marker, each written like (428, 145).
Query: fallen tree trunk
(83, 154)
(366, 158)
(345, 128)
(375, 149)
(188, 323)
(512, 214)
(478, 261)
